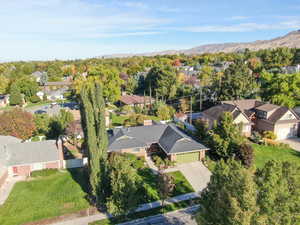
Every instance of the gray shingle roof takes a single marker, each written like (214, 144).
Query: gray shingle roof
(5, 140)
(134, 137)
(174, 140)
(169, 137)
(29, 152)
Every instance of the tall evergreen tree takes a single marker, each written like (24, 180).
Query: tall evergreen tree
(92, 111)
(15, 95)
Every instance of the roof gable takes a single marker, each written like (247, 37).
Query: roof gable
(174, 140)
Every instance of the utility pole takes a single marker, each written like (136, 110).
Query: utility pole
(200, 97)
(191, 110)
(150, 93)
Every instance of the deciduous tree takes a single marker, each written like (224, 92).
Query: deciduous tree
(123, 185)
(230, 197)
(17, 123)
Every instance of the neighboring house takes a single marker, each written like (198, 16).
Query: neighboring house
(4, 100)
(291, 69)
(53, 95)
(5, 140)
(57, 84)
(173, 142)
(135, 100)
(37, 75)
(239, 117)
(21, 159)
(284, 122)
(180, 117)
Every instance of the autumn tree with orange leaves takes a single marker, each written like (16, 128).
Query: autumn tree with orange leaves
(17, 123)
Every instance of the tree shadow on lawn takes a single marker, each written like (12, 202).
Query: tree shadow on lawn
(81, 177)
(295, 153)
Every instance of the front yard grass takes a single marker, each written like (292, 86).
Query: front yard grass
(182, 185)
(263, 153)
(52, 193)
(48, 195)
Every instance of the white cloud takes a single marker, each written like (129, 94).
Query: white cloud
(67, 19)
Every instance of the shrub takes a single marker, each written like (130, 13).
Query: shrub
(256, 138)
(269, 135)
(44, 173)
(127, 109)
(158, 161)
(136, 162)
(34, 99)
(140, 119)
(245, 155)
(35, 139)
(138, 109)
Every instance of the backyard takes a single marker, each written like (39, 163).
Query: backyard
(265, 153)
(118, 120)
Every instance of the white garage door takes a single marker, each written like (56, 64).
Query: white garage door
(286, 132)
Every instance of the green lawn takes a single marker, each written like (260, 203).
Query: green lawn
(45, 197)
(150, 185)
(182, 185)
(52, 193)
(118, 120)
(265, 153)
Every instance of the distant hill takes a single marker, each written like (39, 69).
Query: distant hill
(291, 40)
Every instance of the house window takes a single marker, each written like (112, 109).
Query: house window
(261, 114)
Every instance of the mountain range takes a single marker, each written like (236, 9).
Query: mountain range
(291, 40)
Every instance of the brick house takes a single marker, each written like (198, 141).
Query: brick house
(17, 158)
(177, 145)
(284, 122)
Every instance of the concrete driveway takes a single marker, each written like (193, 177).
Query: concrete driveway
(196, 173)
(293, 143)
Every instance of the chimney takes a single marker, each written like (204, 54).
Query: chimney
(148, 122)
(59, 145)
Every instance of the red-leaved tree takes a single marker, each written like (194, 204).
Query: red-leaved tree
(17, 123)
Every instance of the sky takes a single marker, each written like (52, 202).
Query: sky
(72, 29)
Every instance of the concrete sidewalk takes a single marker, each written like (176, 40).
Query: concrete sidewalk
(144, 207)
(178, 217)
(8, 186)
